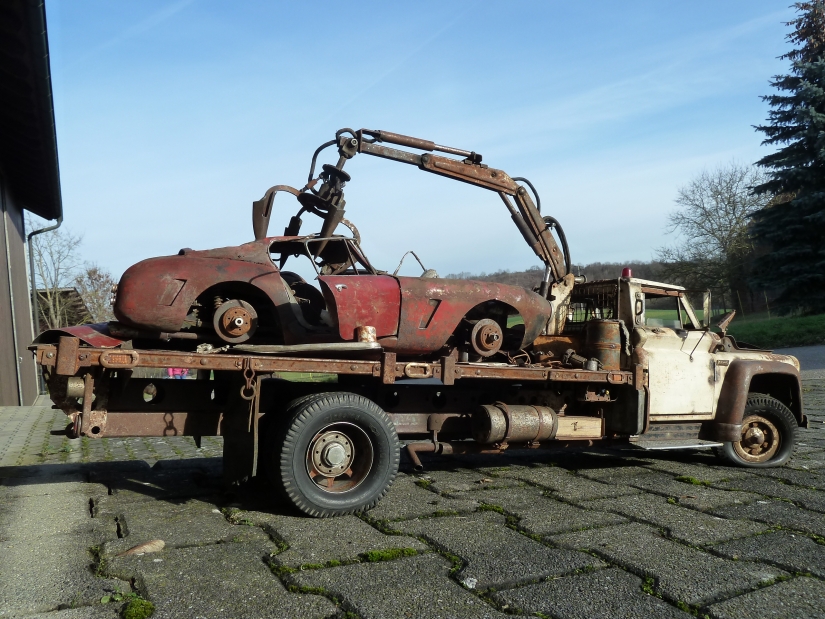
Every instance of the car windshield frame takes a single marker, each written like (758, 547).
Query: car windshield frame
(354, 252)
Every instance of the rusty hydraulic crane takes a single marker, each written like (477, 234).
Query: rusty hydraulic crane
(328, 201)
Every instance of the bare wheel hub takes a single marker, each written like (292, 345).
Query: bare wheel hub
(332, 454)
(339, 457)
(235, 321)
(760, 439)
(486, 337)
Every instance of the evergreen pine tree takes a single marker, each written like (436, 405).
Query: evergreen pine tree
(793, 226)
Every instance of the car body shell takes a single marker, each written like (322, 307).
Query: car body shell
(410, 315)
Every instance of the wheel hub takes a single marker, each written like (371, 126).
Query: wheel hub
(332, 454)
(486, 337)
(760, 439)
(339, 457)
(236, 321)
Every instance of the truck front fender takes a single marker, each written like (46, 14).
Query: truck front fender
(775, 378)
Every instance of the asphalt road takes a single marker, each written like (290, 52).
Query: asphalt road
(565, 534)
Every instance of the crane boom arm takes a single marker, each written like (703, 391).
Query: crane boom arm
(525, 215)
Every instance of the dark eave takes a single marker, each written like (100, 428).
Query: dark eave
(28, 144)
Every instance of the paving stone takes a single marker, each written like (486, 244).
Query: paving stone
(110, 611)
(216, 581)
(810, 499)
(780, 513)
(567, 486)
(684, 524)
(800, 598)
(800, 477)
(42, 573)
(493, 554)
(407, 500)
(416, 587)
(618, 473)
(814, 461)
(190, 523)
(682, 574)
(163, 483)
(603, 594)
(794, 552)
(703, 472)
(70, 484)
(315, 541)
(458, 481)
(35, 517)
(542, 515)
(695, 496)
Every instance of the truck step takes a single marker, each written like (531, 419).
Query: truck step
(662, 445)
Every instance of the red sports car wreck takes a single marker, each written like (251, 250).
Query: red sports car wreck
(245, 295)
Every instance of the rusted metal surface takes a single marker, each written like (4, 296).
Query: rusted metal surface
(68, 360)
(500, 422)
(96, 335)
(363, 300)
(432, 309)
(388, 368)
(603, 340)
(727, 423)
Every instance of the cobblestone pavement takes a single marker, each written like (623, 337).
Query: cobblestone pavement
(567, 534)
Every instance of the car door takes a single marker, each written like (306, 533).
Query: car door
(362, 300)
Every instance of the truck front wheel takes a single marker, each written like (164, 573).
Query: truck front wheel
(337, 453)
(768, 434)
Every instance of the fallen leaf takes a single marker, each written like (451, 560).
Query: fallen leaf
(155, 545)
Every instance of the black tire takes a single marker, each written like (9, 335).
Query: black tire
(347, 426)
(768, 434)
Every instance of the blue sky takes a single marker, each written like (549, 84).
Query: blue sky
(172, 117)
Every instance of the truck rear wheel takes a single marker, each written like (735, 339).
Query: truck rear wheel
(336, 454)
(768, 434)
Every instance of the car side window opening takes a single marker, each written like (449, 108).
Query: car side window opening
(314, 256)
(306, 260)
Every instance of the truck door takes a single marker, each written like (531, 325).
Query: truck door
(681, 371)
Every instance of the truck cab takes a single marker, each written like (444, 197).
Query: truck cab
(699, 385)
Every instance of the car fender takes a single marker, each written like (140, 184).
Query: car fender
(727, 423)
(156, 294)
(432, 308)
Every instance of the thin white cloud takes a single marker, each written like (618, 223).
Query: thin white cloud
(137, 29)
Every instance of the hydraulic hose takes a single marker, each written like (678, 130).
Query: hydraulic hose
(552, 222)
(521, 179)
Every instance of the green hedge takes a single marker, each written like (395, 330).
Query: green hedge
(780, 332)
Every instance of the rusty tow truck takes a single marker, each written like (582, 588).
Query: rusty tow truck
(428, 364)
